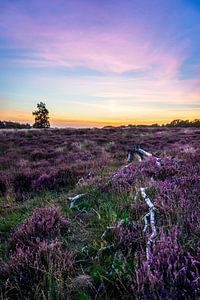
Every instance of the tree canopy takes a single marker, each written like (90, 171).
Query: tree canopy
(41, 116)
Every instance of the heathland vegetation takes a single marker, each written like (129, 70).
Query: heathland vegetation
(55, 247)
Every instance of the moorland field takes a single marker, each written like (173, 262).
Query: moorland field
(54, 247)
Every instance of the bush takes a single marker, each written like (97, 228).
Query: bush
(38, 155)
(30, 267)
(122, 179)
(3, 186)
(57, 178)
(37, 255)
(174, 273)
(22, 182)
(45, 223)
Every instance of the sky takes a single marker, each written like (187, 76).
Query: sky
(100, 62)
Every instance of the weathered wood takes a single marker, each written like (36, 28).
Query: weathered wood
(74, 199)
(140, 153)
(150, 214)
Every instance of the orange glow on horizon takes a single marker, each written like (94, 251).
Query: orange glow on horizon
(62, 121)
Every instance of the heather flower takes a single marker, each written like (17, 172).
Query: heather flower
(74, 156)
(45, 223)
(37, 252)
(173, 273)
(38, 155)
(30, 266)
(56, 178)
(167, 169)
(22, 183)
(127, 236)
(123, 178)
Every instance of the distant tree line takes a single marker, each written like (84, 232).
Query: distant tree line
(13, 125)
(184, 123)
(41, 115)
(41, 121)
(174, 123)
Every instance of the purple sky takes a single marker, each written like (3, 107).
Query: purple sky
(100, 62)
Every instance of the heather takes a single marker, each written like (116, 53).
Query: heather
(36, 252)
(55, 245)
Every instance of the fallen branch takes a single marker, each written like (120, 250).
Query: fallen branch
(84, 178)
(140, 154)
(113, 262)
(112, 227)
(74, 199)
(102, 286)
(98, 215)
(150, 214)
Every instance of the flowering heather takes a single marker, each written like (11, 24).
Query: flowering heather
(38, 155)
(167, 169)
(127, 237)
(36, 252)
(107, 236)
(174, 272)
(22, 181)
(40, 150)
(45, 223)
(123, 178)
(56, 178)
(78, 155)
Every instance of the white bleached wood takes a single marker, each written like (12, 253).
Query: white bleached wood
(150, 214)
(74, 199)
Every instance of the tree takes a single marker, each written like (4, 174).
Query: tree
(41, 116)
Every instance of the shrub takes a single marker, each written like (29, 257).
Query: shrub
(167, 168)
(122, 179)
(56, 178)
(22, 181)
(38, 155)
(3, 186)
(174, 273)
(37, 255)
(45, 223)
(127, 237)
(32, 266)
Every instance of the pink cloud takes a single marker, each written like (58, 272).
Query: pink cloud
(110, 50)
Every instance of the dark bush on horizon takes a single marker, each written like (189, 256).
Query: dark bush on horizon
(13, 125)
(184, 123)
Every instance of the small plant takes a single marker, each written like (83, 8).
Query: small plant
(37, 254)
(174, 273)
(3, 187)
(45, 223)
(22, 184)
(28, 135)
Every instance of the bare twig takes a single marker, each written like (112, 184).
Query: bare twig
(150, 214)
(140, 153)
(74, 199)
(112, 227)
(84, 178)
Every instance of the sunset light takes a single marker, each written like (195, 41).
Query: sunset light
(108, 62)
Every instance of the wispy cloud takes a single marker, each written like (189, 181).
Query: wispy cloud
(100, 60)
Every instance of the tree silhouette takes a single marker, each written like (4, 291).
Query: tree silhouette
(41, 116)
